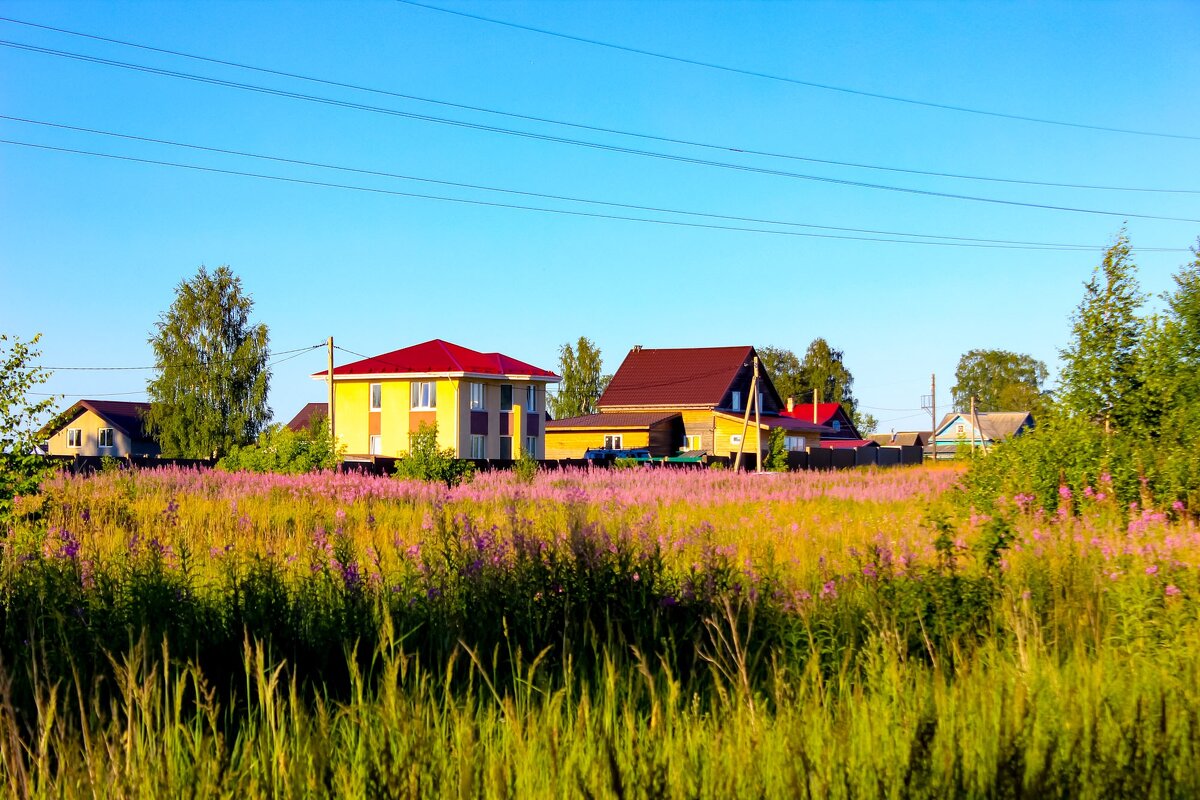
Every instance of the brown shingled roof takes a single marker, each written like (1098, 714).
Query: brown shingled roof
(304, 418)
(678, 377)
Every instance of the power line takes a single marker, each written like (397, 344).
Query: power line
(630, 206)
(184, 363)
(593, 128)
(560, 211)
(799, 82)
(294, 354)
(579, 142)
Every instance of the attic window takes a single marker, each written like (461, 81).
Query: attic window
(74, 437)
(735, 401)
(836, 424)
(962, 430)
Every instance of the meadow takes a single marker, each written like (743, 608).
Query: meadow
(623, 633)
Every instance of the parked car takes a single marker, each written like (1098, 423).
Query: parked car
(601, 454)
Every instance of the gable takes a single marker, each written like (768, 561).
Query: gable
(693, 377)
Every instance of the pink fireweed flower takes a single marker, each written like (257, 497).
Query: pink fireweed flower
(1152, 569)
(1171, 590)
(829, 590)
(1177, 507)
(1064, 492)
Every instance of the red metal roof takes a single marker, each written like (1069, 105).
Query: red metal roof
(839, 444)
(615, 419)
(436, 356)
(685, 376)
(787, 423)
(825, 412)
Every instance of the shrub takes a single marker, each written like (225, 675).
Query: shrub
(525, 468)
(282, 450)
(425, 462)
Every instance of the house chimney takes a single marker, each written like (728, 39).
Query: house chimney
(637, 348)
(791, 403)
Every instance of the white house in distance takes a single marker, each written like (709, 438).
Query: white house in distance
(956, 429)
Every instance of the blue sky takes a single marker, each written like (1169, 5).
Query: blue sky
(91, 248)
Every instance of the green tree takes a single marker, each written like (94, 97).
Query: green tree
(210, 393)
(20, 469)
(999, 381)
(582, 380)
(1100, 378)
(783, 366)
(777, 457)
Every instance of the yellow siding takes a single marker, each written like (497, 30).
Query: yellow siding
(573, 444)
(393, 417)
(727, 428)
(449, 425)
(350, 408)
(89, 424)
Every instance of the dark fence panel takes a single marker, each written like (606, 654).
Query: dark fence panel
(843, 459)
(888, 456)
(866, 456)
(820, 458)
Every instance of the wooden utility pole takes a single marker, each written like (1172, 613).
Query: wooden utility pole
(815, 404)
(332, 429)
(974, 423)
(933, 411)
(758, 465)
(737, 462)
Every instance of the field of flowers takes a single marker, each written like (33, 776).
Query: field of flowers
(624, 633)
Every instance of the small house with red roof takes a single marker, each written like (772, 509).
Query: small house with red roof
(308, 416)
(100, 428)
(691, 399)
(842, 433)
(485, 405)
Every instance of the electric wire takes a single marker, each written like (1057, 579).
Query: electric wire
(596, 128)
(798, 82)
(541, 209)
(583, 143)
(271, 354)
(542, 195)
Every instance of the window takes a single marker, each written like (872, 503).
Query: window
(962, 431)
(735, 402)
(375, 447)
(506, 447)
(530, 399)
(531, 446)
(376, 396)
(105, 435)
(506, 397)
(691, 442)
(760, 401)
(477, 404)
(612, 442)
(793, 443)
(735, 440)
(478, 444)
(74, 437)
(836, 425)
(423, 394)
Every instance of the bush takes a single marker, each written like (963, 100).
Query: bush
(282, 450)
(777, 457)
(525, 468)
(426, 463)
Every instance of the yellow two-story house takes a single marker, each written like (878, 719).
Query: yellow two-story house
(485, 405)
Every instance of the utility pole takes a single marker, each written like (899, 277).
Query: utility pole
(974, 425)
(758, 465)
(815, 398)
(737, 462)
(929, 402)
(332, 429)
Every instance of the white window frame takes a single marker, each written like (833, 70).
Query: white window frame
(735, 439)
(77, 435)
(531, 399)
(531, 446)
(614, 441)
(422, 395)
(508, 386)
(735, 400)
(375, 444)
(478, 396)
(376, 402)
(794, 444)
(100, 437)
(478, 445)
(691, 441)
(962, 430)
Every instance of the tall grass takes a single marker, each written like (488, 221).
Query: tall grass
(626, 634)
